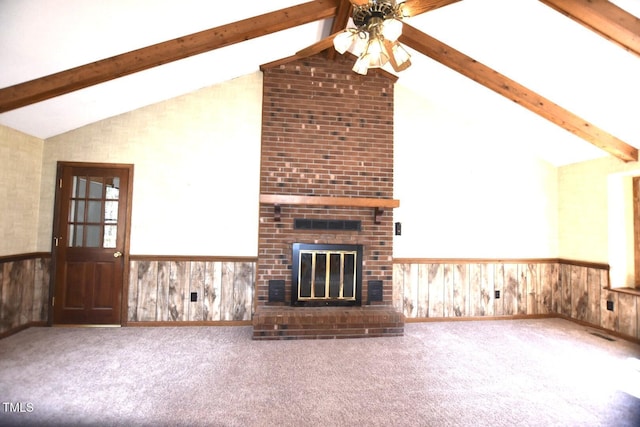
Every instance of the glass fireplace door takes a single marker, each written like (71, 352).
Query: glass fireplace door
(326, 274)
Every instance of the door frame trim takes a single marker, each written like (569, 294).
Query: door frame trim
(124, 300)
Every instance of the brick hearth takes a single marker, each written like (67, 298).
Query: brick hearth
(273, 323)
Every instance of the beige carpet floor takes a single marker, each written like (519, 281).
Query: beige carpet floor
(543, 372)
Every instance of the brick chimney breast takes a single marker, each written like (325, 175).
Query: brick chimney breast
(326, 131)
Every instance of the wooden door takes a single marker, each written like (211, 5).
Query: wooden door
(91, 238)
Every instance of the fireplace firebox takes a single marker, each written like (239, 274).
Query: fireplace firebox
(326, 275)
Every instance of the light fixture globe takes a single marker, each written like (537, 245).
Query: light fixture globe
(392, 29)
(374, 39)
(343, 41)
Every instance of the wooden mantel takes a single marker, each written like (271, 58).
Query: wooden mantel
(361, 202)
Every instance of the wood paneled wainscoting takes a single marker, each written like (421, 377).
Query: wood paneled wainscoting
(24, 291)
(162, 289)
(481, 288)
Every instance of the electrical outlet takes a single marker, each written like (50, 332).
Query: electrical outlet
(194, 296)
(498, 294)
(610, 305)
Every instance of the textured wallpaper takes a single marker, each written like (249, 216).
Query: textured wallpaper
(20, 167)
(196, 169)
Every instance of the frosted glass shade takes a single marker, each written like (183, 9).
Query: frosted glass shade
(392, 29)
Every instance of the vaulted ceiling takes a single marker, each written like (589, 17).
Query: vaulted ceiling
(561, 75)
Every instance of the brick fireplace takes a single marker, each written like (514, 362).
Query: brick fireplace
(326, 161)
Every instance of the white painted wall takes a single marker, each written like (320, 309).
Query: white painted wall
(468, 190)
(196, 169)
(20, 168)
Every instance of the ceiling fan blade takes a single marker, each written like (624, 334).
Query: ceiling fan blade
(416, 7)
(359, 2)
(317, 47)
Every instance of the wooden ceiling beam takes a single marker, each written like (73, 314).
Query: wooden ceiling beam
(340, 22)
(345, 9)
(603, 17)
(416, 7)
(527, 98)
(47, 87)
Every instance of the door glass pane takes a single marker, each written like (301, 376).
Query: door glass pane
(95, 187)
(79, 186)
(110, 236)
(93, 236)
(75, 235)
(74, 186)
(82, 207)
(76, 212)
(94, 213)
(72, 233)
(113, 188)
(110, 212)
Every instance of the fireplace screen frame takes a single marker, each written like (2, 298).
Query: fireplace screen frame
(301, 249)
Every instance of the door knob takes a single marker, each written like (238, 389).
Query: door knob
(117, 254)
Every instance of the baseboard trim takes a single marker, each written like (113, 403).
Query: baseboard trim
(21, 328)
(191, 323)
(525, 316)
(601, 329)
(473, 319)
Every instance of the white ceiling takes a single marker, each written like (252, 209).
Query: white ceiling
(524, 40)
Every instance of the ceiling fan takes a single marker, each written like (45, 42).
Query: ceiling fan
(372, 32)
